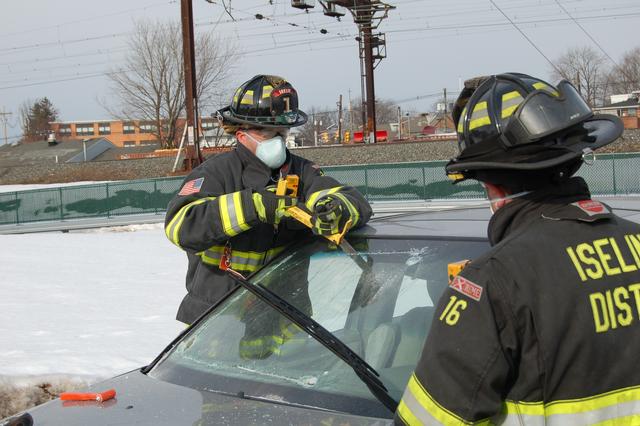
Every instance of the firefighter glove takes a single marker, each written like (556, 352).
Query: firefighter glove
(329, 216)
(270, 207)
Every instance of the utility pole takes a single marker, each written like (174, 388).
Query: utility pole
(4, 117)
(315, 129)
(340, 120)
(367, 15)
(368, 69)
(399, 123)
(446, 128)
(193, 155)
(350, 118)
(363, 98)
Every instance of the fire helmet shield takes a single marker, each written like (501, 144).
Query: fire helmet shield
(514, 121)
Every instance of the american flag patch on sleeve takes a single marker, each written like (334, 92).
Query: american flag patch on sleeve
(191, 187)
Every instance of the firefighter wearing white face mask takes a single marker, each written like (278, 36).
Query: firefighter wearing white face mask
(227, 213)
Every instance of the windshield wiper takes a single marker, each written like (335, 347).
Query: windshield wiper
(364, 371)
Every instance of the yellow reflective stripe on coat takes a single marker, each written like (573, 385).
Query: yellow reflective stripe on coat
(249, 261)
(612, 408)
(172, 229)
(417, 407)
(314, 197)
(510, 102)
(479, 116)
(231, 213)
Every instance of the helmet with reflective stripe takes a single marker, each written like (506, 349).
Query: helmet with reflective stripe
(517, 125)
(264, 101)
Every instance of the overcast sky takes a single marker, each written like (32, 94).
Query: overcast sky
(60, 49)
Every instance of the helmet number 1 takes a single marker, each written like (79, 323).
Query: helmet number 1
(287, 106)
(451, 313)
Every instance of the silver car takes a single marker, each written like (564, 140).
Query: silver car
(318, 336)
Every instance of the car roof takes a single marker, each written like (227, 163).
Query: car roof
(467, 220)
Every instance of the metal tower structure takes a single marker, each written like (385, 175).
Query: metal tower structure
(367, 15)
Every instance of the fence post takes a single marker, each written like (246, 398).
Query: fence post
(424, 184)
(17, 208)
(366, 183)
(106, 201)
(613, 169)
(155, 195)
(61, 204)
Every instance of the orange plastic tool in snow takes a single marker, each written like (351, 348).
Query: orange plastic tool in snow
(88, 396)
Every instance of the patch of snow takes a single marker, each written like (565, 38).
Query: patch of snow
(124, 228)
(87, 304)
(26, 187)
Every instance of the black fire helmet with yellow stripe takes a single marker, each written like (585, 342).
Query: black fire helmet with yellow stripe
(264, 101)
(516, 129)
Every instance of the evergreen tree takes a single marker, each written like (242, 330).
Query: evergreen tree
(36, 119)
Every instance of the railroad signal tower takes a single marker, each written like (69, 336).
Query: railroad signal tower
(367, 15)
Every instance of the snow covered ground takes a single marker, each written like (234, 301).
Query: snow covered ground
(89, 304)
(23, 187)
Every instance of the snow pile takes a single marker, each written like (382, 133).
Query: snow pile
(26, 187)
(125, 228)
(87, 305)
(16, 397)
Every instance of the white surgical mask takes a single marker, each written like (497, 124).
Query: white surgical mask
(271, 152)
(508, 197)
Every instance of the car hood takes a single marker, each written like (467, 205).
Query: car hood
(142, 400)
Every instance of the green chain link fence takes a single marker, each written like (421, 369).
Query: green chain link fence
(611, 174)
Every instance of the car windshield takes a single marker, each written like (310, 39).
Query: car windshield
(382, 312)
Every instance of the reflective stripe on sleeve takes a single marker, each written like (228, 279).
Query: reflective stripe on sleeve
(172, 230)
(232, 215)
(313, 198)
(247, 261)
(353, 211)
(418, 407)
(611, 408)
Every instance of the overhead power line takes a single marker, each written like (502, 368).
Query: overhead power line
(587, 33)
(525, 36)
(91, 18)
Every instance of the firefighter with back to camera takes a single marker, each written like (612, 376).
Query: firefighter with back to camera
(544, 328)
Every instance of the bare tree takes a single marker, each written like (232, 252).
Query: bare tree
(625, 78)
(326, 120)
(150, 85)
(25, 112)
(320, 120)
(587, 70)
(386, 112)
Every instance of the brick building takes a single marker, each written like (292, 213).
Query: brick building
(121, 133)
(628, 110)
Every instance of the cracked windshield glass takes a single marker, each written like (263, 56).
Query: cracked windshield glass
(381, 310)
